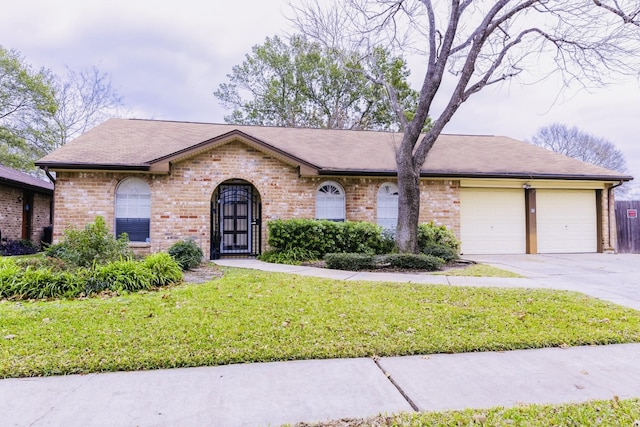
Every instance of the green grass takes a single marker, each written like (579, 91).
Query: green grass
(479, 270)
(602, 413)
(251, 316)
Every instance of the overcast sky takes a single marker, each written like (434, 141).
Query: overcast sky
(167, 58)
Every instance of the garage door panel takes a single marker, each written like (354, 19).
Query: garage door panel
(567, 221)
(492, 221)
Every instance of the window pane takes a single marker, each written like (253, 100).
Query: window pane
(133, 209)
(388, 205)
(330, 202)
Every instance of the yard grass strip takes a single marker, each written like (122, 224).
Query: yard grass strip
(254, 316)
(479, 270)
(612, 412)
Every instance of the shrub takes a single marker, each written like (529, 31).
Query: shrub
(186, 253)
(44, 283)
(164, 269)
(350, 261)
(18, 247)
(126, 275)
(95, 244)
(32, 280)
(293, 256)
(414, 261)
(431, 234)
(445, 252)
(10, 273)
(319, 237)
(54, 264)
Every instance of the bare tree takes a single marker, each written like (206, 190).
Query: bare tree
(580, 145)
(468, 45)
(84, 99)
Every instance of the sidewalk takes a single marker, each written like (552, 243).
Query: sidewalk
(271, 394)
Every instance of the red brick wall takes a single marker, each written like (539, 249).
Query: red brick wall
(10, 213)
(181, 201)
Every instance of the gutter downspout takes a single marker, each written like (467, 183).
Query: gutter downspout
(51, 178)
(53, 200)
(609, 191)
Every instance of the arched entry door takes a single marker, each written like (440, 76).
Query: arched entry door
(235, 220)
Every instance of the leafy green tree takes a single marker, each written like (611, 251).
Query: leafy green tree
(302, 84)
(40, 112)
(27, 103)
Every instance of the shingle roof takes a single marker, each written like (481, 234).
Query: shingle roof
(143, 144)
(16, 178)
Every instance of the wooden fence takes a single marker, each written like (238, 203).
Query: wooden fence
(628, 226)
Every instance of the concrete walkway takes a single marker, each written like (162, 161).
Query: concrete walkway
(610, 277)
(271, 394)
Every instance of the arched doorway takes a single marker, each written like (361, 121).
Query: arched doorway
(236, 213)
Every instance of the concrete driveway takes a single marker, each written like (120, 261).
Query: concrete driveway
(612, 277)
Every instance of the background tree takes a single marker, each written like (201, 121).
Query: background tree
(84, 99)
(40, 112)
(27, 103)
(468, 45)
(580, 145)
(303, 84)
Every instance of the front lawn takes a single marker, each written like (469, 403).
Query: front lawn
(612, 412)
(251, 316)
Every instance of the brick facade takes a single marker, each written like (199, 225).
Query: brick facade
(181, 201)
(12, 201)
(10, 212)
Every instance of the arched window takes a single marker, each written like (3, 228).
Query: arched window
(330, 202)
(133, 209)
(388, 206)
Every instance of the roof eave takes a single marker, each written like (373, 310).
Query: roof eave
(25, 186)
(484, 175)
(525, 175)
(93, 166)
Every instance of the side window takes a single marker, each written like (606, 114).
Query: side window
(330, 202)
(388, 206)
(133, 209)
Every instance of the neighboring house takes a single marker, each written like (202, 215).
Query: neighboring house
(163, 181)
(26, 204)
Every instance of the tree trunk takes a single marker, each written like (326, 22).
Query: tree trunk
(408, 205)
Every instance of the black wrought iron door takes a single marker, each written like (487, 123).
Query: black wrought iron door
(236, 213)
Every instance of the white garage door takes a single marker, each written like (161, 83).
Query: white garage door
(566, 221)
(492, 221)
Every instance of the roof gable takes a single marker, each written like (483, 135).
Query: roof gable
(162, 164)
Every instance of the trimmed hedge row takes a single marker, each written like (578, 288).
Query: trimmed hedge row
(298, 240)
(20, 282)
(319, 237)
(355, 262)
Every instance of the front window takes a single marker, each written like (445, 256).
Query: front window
(133, 209)
(388, 206)
(330, 202)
